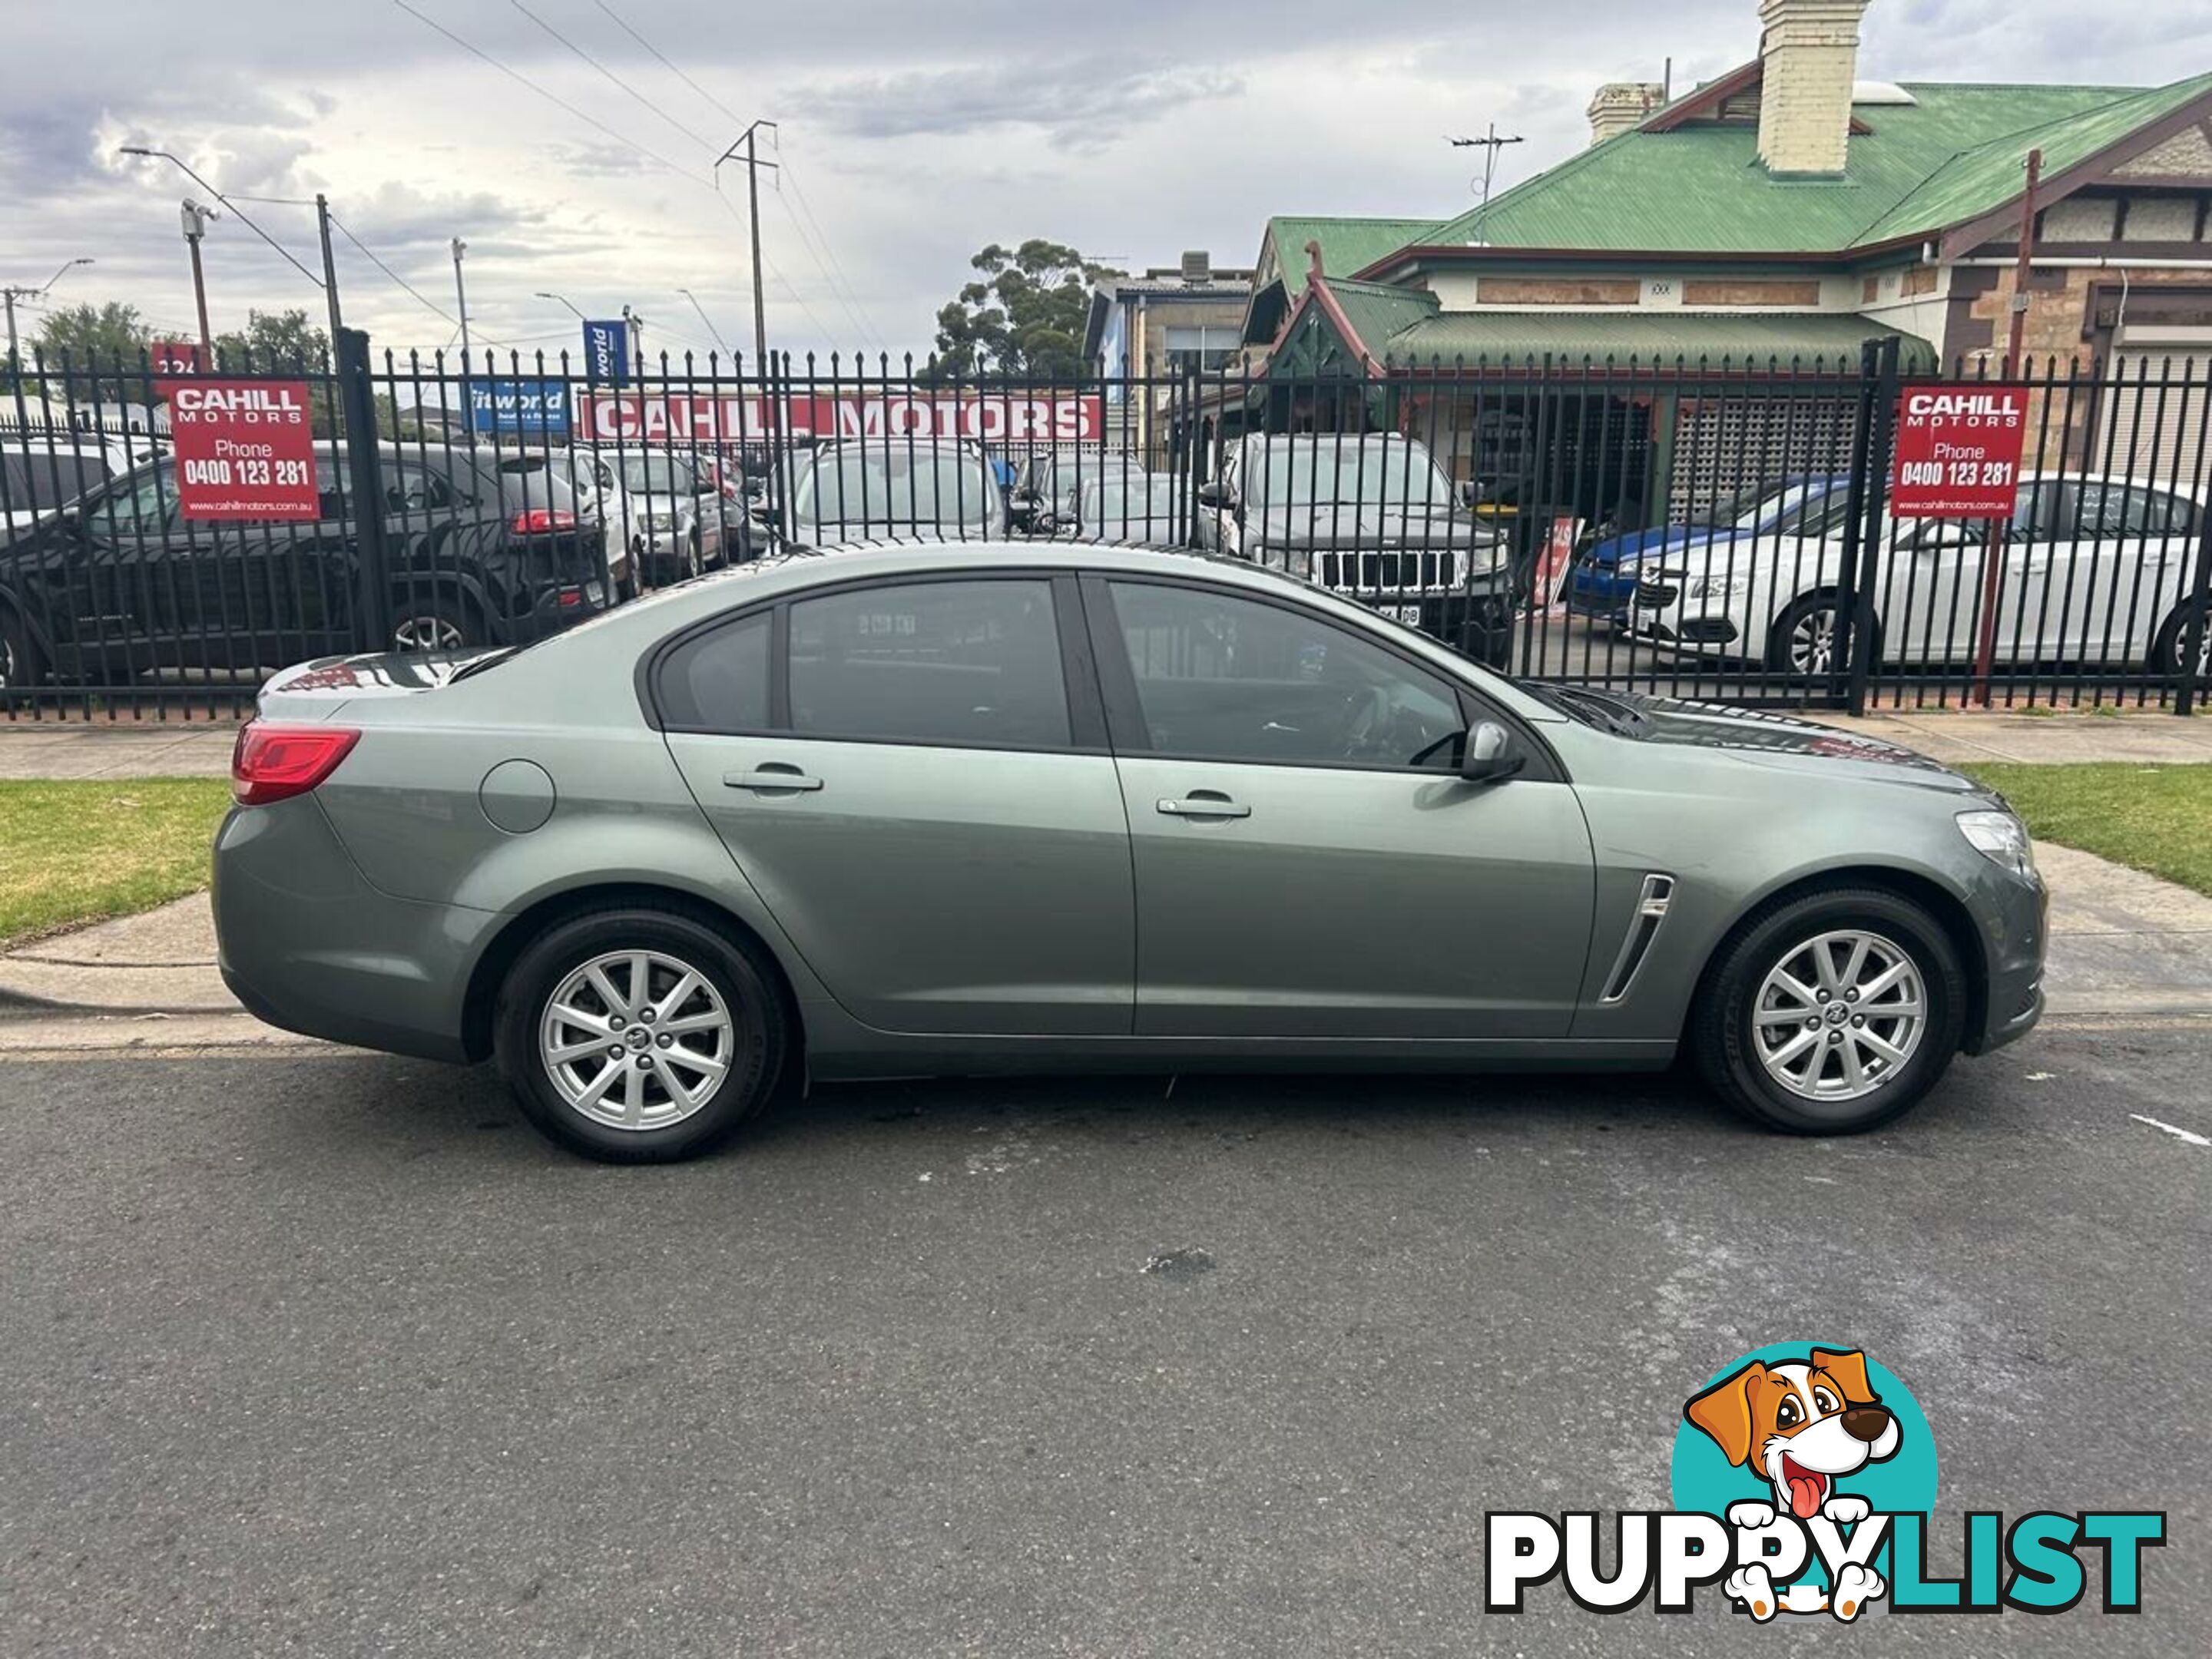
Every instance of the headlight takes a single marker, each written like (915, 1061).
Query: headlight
(1724, 586)
(2001, 838)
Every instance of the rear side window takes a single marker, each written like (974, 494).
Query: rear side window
(718, 681)
(950, 662)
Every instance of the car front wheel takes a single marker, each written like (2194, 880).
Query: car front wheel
(639, 1035)
(1831, 1012)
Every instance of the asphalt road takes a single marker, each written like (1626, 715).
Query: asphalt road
(324, 1353)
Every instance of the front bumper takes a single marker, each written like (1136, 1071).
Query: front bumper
(1478, 625)
(2014, 917)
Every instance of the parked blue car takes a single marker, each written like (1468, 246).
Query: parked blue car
(1602, 582)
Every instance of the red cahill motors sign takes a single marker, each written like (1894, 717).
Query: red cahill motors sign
(694, 417)
(246, 449)
(1958, 451)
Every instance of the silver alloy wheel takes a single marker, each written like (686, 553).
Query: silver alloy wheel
(1813, 640)
(636, 1040)
(427, 632)
(1839, 1016)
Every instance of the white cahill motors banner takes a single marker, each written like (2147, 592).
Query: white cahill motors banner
(697, 418)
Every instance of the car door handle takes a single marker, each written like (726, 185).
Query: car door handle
(789, 779)
(1204, 804)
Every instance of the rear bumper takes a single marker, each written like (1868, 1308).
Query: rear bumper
(306, 944)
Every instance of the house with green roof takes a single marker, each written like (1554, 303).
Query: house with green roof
(1769, 223)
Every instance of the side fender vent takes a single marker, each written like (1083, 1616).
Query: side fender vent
(1643, 927)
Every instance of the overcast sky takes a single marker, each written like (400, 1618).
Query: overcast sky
(913, 132)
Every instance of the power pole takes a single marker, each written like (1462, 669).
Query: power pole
(196, 219)
(461, 298)
(11, 294)
(330, 272)
(636, 339)
(1489, 144)
(753, 164)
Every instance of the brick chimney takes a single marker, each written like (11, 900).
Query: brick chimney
(1808, 57)
(1617, 105)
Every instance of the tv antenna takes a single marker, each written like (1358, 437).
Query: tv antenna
(1489, 144)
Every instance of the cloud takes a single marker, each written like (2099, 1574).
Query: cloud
(1079, 101)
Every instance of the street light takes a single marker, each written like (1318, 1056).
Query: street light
(561, 299)
(12, 294)
(709, 321)
(328, 282)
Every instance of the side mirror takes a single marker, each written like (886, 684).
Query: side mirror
(1470, 493)
(1491, 755)
(1212, 495)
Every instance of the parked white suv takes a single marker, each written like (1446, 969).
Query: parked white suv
(2095, 570)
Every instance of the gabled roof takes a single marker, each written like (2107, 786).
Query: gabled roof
(1695, 185)
(1346, 244)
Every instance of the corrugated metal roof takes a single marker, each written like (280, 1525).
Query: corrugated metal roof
(1952, 154)
(1346, 244)
(1651, 339)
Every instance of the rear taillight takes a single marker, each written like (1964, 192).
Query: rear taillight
(275, 762)
(540, 520)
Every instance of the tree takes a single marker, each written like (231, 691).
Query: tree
(286, 343)
(1024, 316)
(275, 342)
(109, 338)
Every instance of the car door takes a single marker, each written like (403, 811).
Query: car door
(1309, 862)
(920, 793)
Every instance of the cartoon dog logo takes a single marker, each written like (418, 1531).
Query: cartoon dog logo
(1801, 1426)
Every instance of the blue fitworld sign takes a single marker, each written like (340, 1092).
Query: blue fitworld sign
(537, 408)
(606, 352)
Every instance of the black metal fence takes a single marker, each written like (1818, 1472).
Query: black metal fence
(1717, 531)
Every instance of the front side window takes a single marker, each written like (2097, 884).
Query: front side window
(940, 662)
(1219, 677)
(139, 506)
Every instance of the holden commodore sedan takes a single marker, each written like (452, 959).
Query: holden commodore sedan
(937, 807)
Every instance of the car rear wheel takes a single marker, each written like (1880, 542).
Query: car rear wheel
(437, 623)
(1831, 1012)
(638, 1035)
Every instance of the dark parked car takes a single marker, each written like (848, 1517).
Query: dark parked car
(120, 583)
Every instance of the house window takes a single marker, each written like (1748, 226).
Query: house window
(1201, 347)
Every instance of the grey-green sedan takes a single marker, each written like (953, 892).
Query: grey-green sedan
(927, 807)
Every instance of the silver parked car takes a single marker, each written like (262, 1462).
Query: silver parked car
(940, 807)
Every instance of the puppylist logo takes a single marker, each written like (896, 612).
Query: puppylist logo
(1803, 1479)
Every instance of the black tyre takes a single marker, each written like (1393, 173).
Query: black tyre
(21, 665)
(639, 1035)
(1836, 1049)
(2172, 639)
(435, 622)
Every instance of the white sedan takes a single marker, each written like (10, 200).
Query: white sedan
(2092, 570)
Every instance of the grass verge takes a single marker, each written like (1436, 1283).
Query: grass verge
(2153, 818)
(80, 851)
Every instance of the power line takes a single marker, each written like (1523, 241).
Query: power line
(554, 99)
(670, 67)
(369, 254)
(840, 284)
(649, 104)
